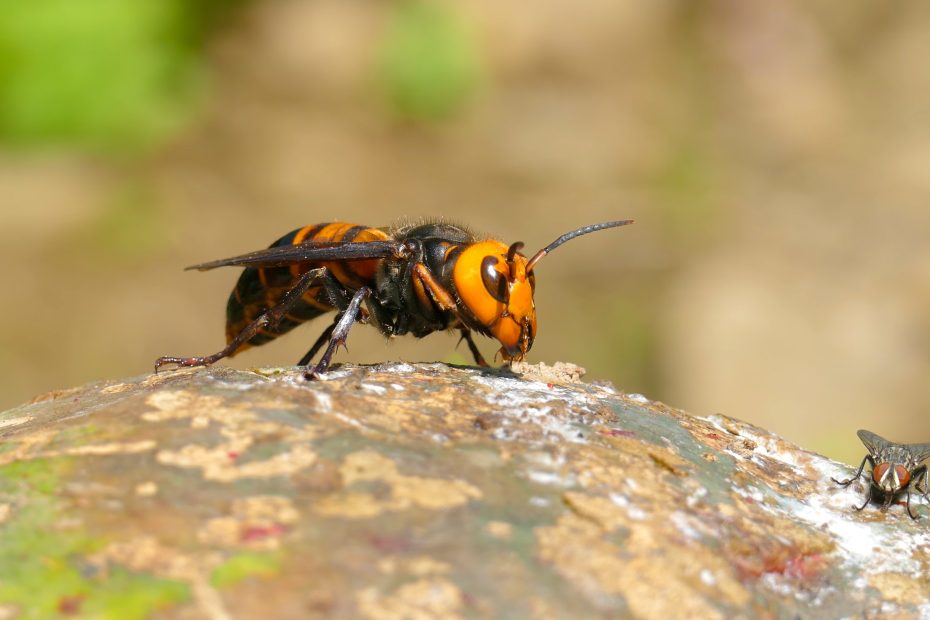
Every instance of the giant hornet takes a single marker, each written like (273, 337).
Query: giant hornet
(894, 467)
(414, 279)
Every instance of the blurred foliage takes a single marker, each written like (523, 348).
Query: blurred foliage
(131, 226)
(627, 340)
(686, 185)
(106, 74)
(428, 65)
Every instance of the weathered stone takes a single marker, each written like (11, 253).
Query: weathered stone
(428, 491)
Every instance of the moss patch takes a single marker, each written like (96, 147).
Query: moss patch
(42, 567)
(244, 566)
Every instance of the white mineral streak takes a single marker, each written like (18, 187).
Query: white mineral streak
(324, 401)
(518, 398)
(687, 524)
(400, 368)
(15, 421)
(765, 445)
(695, 498)
(548, 477)
(634, 512)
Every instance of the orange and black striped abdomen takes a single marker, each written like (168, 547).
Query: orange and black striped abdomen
(260, 288)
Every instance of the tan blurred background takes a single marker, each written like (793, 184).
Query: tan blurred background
(776, 157)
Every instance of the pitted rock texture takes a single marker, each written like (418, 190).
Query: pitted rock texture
(428, 491)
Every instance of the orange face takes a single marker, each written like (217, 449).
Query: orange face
(499, 295)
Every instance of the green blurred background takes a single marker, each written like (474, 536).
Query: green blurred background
(775, 154)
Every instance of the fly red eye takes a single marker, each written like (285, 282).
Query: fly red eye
(904, 476)
(494, 281)
(879, 472)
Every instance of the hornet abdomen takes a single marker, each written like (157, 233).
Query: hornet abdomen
(262, 288)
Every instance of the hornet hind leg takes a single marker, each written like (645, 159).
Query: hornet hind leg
(270, 318)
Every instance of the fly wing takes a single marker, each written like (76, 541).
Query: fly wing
(873, 442)
(919, 451)
(282, 256)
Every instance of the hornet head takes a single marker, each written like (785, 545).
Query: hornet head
(495, 283)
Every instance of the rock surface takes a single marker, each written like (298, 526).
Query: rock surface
(428, 491)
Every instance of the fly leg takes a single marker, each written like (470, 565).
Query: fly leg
(270, 317)
(868, 499)
(846, 483)
(889, 497)
(339, 333)
(907, 505)
(466, 336)
(921, 475)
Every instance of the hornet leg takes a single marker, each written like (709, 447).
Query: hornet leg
(466, 336)
(846, 483)
(340, 332)
(324, 337)
(337, 294)
(440, 295)
(338, 297)
(270, 318)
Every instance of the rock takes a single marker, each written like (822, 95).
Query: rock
(428, 491)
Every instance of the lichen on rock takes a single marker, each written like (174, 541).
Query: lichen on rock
(424, 490)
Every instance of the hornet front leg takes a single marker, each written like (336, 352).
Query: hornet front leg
(466, 336)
